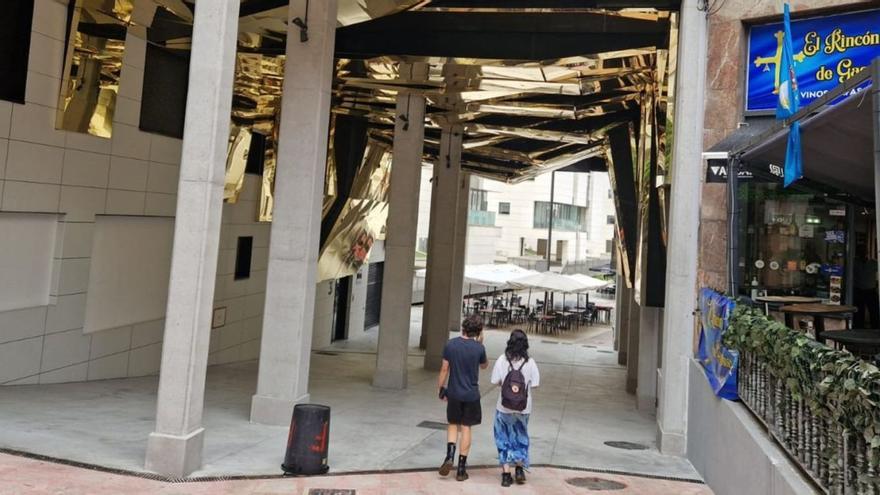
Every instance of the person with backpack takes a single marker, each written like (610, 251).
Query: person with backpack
(463, 357)
(517, 375)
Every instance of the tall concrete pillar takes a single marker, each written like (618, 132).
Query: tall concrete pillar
(649, 331)
(456, 290)
(447, 184)
(621, 322)
(175, 447)
(400, 239)
(632, 356)
(288, 316)
(684, 224)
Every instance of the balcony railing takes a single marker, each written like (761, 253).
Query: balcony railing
(481, 218)
(820, 404)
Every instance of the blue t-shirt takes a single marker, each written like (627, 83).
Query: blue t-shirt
(465, 357)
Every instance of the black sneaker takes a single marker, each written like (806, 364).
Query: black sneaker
(446, 466)
(506, 479)
(520, 475)
(461, 474)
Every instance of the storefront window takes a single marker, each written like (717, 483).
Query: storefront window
(791, 243)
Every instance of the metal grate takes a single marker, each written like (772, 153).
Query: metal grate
(330, 491)
(596, 484)
(549, 342)
(433, 425)
(327, 353)
(626, 445)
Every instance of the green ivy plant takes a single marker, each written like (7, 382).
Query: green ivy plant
(834, 384)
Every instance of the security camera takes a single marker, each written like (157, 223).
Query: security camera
(303, 29)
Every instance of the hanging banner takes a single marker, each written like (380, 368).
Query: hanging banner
(719, 363)
(827, 51)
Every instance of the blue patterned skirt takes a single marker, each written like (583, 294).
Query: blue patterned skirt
(512, 438)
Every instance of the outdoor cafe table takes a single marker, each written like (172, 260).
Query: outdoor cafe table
(606, 313)
(775, 302)
(494, 316)
(817, 311)
(863, 343)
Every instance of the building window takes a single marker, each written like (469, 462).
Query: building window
(504, 208)
(15, 42)
(609, 245)
(610, 220)
(243, 257)
(565, 217)
(479, 200)
(610, 194)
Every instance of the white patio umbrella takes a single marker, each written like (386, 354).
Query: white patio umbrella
(550, 282)
(592, 283)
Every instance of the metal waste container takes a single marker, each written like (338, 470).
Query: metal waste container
(308, 440)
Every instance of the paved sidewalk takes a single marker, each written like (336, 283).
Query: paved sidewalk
(24, 476)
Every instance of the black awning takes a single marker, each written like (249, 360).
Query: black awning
(837, 145)
(746, 133)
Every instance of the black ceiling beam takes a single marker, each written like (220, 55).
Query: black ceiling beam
(252, 7)
(520, 36)
(557, 4)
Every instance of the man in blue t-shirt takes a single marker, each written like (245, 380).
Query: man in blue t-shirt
(462, 359)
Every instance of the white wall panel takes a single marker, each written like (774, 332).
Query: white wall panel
(128, 280)
(27, 246)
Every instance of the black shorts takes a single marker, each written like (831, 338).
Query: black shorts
(465, 413)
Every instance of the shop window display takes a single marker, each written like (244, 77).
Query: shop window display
(792, 243)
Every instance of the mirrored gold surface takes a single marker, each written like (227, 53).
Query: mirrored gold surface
(362, 220)
(93, 65)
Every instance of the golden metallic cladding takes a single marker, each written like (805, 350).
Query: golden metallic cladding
(236, 162)
(362, 219)
(92, 68)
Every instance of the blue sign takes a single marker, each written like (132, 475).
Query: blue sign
(827, 51)
(720, 364)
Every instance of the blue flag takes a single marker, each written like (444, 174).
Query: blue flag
(794, 164)
(789, 103)
(789, 98)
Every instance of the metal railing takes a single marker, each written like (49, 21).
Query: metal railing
(838, 460)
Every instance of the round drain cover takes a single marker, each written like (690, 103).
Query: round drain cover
(596, 484)
(626, 445)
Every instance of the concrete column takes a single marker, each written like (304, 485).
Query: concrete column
(684, 225)
(456, 289)
(649, 331)
(632, 356)
(621, 322)
(296, 226)
(447, 184)
(175, 447)
(400, 239)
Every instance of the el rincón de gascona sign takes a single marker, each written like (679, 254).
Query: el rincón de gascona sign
(827, 51)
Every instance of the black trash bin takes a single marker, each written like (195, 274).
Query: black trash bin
(308, 441)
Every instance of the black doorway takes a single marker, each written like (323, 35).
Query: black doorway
(340, 308)
(374, 295)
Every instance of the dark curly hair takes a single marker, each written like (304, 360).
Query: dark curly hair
(517, 346)
(472, 326)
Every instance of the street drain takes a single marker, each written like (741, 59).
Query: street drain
(595, 484)
(626, 445)
(327, 353)
(604, 352)
(549, 342)
(433, 425)
(330, 491)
